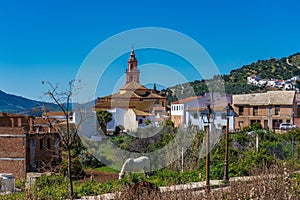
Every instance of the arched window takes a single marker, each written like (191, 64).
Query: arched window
(140, 121)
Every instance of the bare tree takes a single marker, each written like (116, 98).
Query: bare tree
(67, 131)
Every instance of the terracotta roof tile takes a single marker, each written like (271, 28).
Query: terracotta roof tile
(268, 98)
(133, 86)
(186, 99)
(141, 113)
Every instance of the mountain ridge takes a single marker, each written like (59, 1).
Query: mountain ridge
(11, 103)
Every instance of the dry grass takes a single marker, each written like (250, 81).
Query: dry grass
(277, 184)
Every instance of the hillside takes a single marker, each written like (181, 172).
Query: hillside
(273, 68)
(16, 104)
(236, 81)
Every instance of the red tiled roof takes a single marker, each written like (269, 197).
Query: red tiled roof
(186, 99)
(133, 86)
(141, 113)
(54, 113)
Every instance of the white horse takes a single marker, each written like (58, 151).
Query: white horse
(140, 164)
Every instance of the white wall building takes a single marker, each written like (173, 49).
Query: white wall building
(189, 111)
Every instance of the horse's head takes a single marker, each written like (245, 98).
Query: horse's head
(121, 176)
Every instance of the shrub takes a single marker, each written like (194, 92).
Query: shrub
(76, 168)
(50, 187)
(20, 184)
(88, 160)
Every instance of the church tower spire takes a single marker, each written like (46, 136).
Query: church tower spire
(132, 72)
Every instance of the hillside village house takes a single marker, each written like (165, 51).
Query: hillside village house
(23, 149)
(134, 104)
(188, 111)
(269, 109)
(288, 84)
(58, 116)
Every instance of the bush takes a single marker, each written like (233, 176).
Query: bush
(50, 187)
(147, 122)
(88, 160)
(76, 168)
(20, 184)
(86, 189)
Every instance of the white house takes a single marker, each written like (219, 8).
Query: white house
(118, 115)
(196, 117)
(134, 119)
(190, 111)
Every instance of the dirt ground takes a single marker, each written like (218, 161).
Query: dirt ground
(100, 177)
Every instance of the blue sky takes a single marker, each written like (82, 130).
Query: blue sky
(48, 40)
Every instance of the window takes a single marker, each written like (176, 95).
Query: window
(276, 123)
(41, 143)
(241, 110)
(255, 110)
(195, 115)
(140, 121)
(48, 143)
(265, 123)
(277, 110)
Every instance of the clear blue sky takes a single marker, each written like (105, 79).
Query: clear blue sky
(48, 40)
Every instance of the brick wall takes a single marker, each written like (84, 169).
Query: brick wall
(241, 121)
(8, 120)
(41, 154)
(12, 151)
(297, 121)
(15, 167)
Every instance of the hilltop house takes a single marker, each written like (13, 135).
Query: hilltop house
(134, 103)
(269, 109)
(58, 116)
(288, 84)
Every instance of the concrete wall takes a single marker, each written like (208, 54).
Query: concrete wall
(88, 123)
(117, 118)
(130, 122)
(177, 114)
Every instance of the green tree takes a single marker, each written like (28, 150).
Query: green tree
(103, 118)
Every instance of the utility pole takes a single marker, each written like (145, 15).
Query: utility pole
(226, 177)
(207, 184)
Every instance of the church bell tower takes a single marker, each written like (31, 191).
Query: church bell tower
(132, 72)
